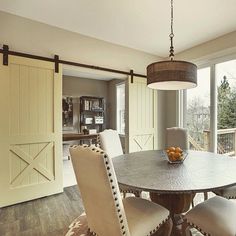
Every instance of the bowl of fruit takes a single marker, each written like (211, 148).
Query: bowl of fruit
(175, 155)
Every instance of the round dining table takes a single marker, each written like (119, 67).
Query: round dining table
(175, 185)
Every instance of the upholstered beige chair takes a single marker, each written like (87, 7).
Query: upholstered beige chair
(229, 193)
(177, 137)
(107, 214)
(110, 142)
(214, 217)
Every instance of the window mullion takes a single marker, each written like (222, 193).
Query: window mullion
(213, 111)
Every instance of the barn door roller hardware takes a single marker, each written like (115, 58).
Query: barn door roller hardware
(56, 58)
(132, 76)
(5, 51)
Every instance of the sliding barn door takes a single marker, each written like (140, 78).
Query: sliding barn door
(142, 116)
(30, 130)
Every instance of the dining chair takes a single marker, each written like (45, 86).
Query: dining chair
(177, 137)
(213, 217)
(110, 142)
(229, 192)
(107, 214)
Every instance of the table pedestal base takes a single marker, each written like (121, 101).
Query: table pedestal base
(176, 204)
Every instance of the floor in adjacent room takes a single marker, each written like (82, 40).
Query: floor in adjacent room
(68, 173)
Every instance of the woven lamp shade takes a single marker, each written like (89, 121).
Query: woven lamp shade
(172, 75)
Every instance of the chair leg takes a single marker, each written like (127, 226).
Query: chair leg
(205, 196)
(124, 195)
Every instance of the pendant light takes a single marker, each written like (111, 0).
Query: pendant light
(172, 74)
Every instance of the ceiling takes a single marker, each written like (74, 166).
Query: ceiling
(138, 24)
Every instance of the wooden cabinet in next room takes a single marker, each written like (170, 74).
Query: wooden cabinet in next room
(92, 113)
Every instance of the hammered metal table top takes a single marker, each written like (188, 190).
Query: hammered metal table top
(200, 172)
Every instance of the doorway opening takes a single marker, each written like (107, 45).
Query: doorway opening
(89, 105)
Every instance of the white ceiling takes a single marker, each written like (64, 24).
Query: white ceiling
(139, 24)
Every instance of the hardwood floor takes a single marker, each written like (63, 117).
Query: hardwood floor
(49, 216)
(46, 216)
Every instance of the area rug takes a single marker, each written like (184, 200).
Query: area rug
(79, 227)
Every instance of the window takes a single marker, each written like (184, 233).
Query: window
(225, 74)
(210, 109)
(120, 108)
(198, 111)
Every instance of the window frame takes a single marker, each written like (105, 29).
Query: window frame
(117, 85)
(181, 97)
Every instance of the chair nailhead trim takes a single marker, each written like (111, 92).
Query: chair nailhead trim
(157, 228)
(232, 197)
(136, 193)
(106, 162)
(198, 228)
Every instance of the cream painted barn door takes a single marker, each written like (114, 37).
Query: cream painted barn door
(142, 116)
(30, 130)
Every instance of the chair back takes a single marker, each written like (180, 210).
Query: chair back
(110, 143)
(99, 191)
(177, 137)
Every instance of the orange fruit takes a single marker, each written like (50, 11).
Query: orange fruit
(171, 149)
(171, 156)
(178, 150)
(177, 155)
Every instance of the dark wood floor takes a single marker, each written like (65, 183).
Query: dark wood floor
(49, 216)
(46, 216)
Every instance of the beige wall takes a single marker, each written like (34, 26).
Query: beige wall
(75, 86)
(29, 36)
(25, 35)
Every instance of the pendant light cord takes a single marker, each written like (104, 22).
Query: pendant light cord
(171, 32)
